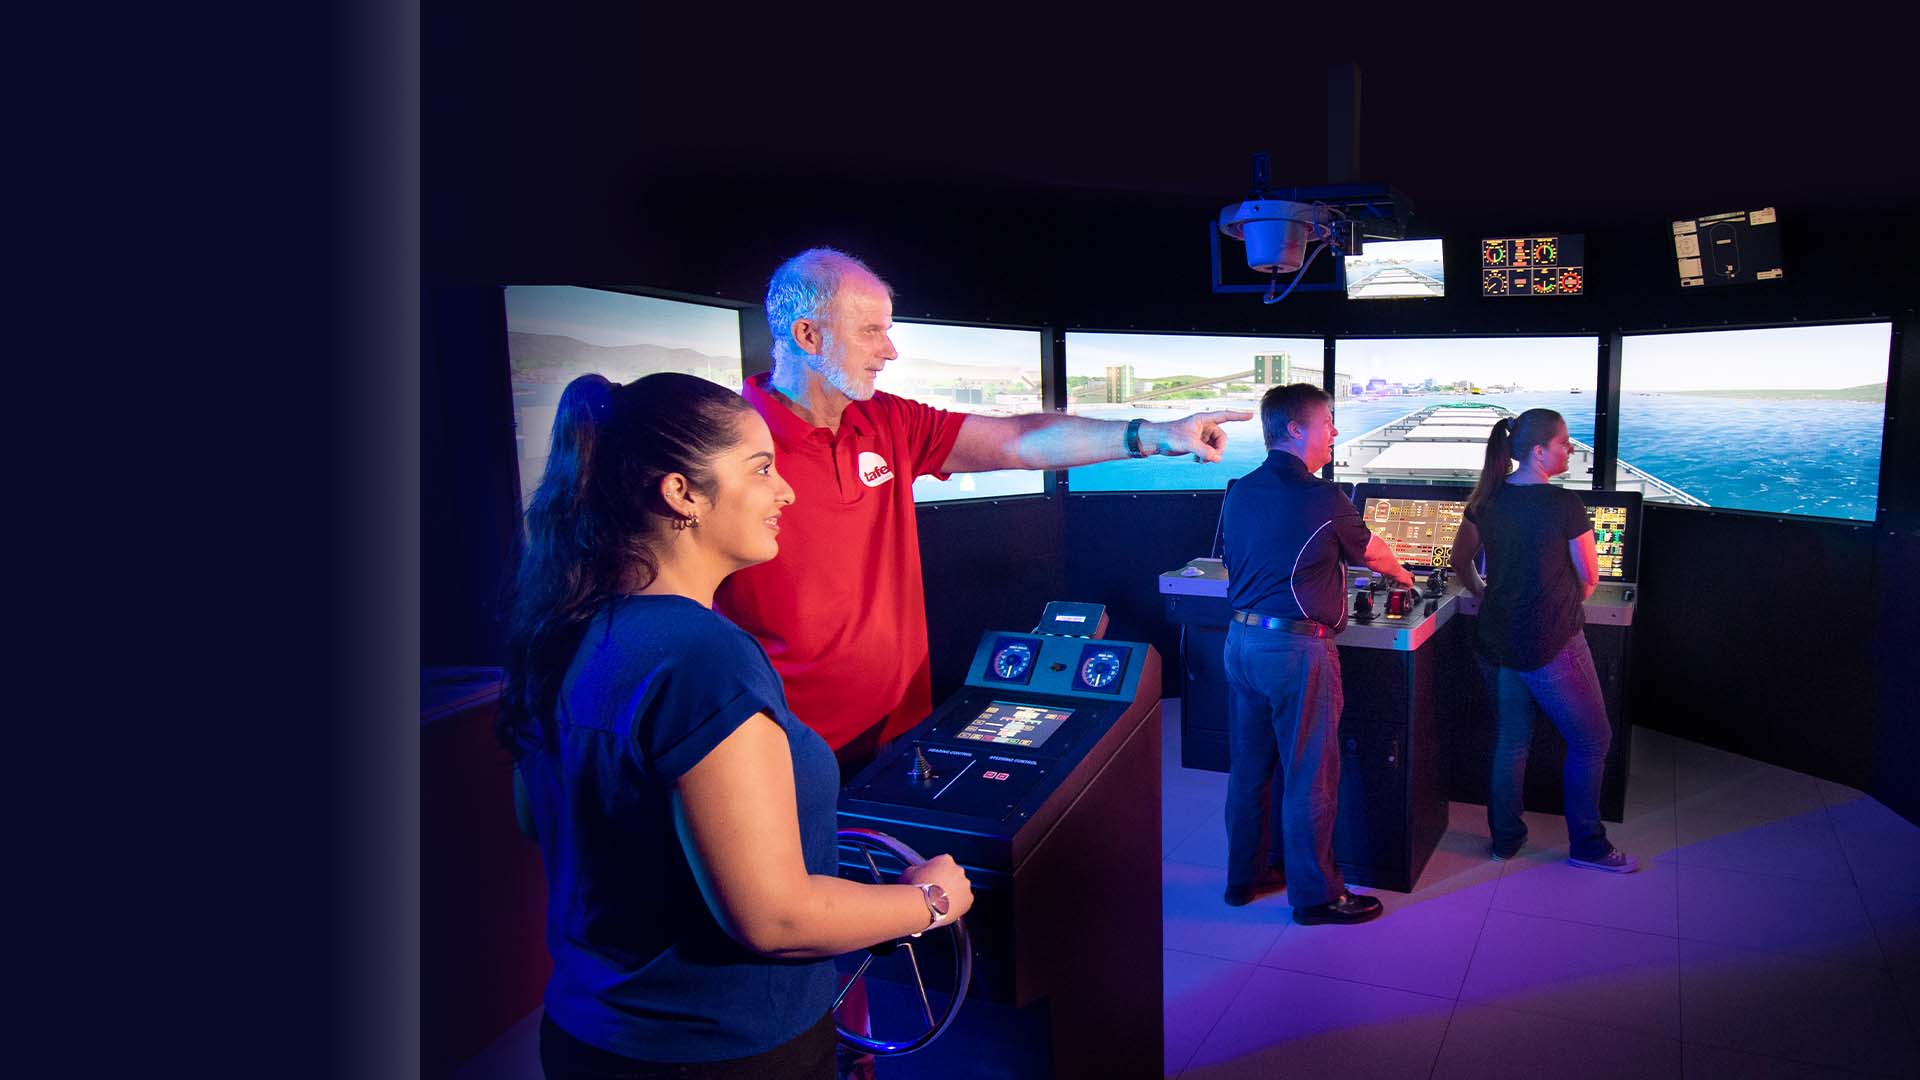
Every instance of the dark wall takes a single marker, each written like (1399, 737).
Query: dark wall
(1808, 614)
(1767, 656)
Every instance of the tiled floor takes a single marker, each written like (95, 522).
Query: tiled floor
(1772, 931)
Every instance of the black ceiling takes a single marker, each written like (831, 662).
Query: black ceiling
(1528, 133)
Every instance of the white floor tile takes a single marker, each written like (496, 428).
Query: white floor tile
(1824, 920)
(1647, 900)
(1287, 1024)
(1808, 1010)
(1896, 922)
(1804, 846)
(1181, 815)
(1882, 847)
(1198, 921)
(1485, 1041)
(1198, 991)
(1422, 944)
(1577, 972)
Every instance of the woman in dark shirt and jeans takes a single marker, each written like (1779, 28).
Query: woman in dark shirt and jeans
(1541, 565)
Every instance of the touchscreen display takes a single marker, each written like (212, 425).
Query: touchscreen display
(1013, 724)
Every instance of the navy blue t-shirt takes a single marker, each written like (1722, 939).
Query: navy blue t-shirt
(1532, 605)
(1288, 536)
(640, 966)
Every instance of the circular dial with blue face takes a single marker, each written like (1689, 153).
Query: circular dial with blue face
(1013, 660)
(1100, 669)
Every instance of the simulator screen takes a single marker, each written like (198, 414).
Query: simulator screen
(1418, 410)
(1168, 376)
(556, 333)
(989, 370)
(1786, 420)
(1396, 270)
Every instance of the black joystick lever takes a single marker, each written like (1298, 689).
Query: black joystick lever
(1437, 581)
(1363, 605)
(920, 768)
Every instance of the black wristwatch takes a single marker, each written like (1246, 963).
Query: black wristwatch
(937, 904)
(1133, 437)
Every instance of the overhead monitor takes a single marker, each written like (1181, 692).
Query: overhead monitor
(1538, 265)
(988, 370)
(1783, 420)
(1396, 270)
(1417, 521)
(1735, 248)
(1161, 377)
(556, 333)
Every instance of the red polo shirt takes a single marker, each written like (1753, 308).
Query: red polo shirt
(841, 610)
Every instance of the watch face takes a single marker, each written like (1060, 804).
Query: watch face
(937, 899)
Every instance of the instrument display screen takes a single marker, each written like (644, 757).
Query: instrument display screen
(1420, 531)
(1011, 723)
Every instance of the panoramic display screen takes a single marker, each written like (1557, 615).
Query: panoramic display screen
(1418, 410)
(1168, 376)
(556, 333)
(1785, 420)
(989, 370)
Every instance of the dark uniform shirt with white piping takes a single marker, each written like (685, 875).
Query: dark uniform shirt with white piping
(1288, 536)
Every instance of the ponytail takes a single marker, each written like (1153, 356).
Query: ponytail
(591, 522)
(1511, 438)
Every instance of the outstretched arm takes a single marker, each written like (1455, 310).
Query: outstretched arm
(1057, 441)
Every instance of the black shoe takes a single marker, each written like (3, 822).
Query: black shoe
(1503, 852)
(1270, 882)
(1348, 909)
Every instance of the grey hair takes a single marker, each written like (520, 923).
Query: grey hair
(804, 288)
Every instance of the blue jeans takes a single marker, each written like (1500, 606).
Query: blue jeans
(1567, 689)
(1283, 708)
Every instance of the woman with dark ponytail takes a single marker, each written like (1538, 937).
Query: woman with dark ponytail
(686, 818)
(1541, 565)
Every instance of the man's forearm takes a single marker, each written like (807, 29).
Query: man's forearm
(1054, 441)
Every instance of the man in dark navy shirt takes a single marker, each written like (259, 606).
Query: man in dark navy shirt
(1288, 537)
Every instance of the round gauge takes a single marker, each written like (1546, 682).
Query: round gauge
(1013, 660)
(1100, 669)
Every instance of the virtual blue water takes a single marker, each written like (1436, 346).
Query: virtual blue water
(1791, 457)
(1778, 456)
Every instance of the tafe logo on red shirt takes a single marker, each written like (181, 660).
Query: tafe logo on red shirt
(874, 469)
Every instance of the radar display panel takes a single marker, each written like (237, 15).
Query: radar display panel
(1533, 266)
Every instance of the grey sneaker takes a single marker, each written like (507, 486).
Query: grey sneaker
(1614, 861)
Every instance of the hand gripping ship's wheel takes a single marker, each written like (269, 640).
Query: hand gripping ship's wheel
(863, 845)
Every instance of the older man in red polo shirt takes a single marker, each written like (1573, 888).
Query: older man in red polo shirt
(841, 609)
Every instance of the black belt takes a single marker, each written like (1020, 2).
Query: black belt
(1274, 622)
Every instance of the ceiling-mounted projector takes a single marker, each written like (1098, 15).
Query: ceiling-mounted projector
(1276, 231)
(1286, 229)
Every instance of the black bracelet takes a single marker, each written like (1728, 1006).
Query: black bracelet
(1133, 437)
